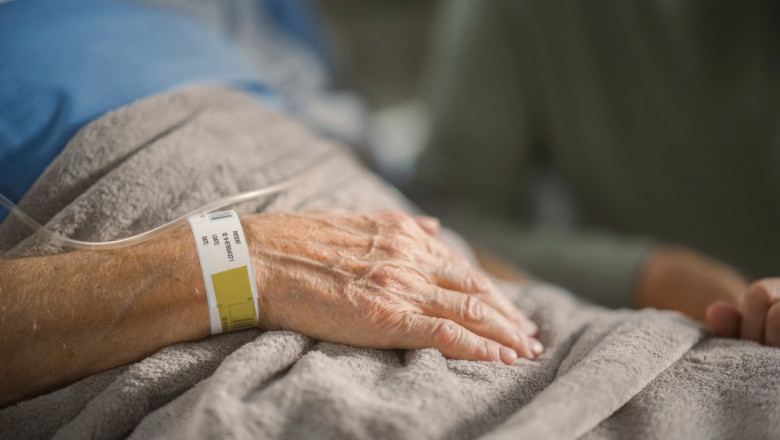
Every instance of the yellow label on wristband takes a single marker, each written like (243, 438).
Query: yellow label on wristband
(227, 271)
(234, 299)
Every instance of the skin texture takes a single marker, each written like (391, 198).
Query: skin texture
(709, 291)
(379, 280)
(68, 316)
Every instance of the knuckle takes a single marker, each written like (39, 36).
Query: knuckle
(473, 281)
(398, 245)
(393, 243)
(473, 309)
(455, 274)
(380, 314)
(760, 292)
(483, 350)
(394, 273)
(445, 334)
(381, 274)
(479, 281)
(398, 218)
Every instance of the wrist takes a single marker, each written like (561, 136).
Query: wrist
(256, 231)
(175, 299)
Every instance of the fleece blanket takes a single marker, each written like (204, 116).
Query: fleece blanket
(606, 374)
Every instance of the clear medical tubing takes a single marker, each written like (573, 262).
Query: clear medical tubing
(156, 232)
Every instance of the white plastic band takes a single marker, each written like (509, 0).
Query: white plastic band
(227, 270)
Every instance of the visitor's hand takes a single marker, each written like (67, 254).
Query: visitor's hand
(757, 320)
(675, 278)
(380, 280)
(709, 291)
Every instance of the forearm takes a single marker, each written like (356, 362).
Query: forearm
(67, 316)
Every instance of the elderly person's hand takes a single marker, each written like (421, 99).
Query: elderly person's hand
(380, 280)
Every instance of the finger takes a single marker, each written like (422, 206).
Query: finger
(418, 229)
(724, 319)
(453, 341)
(510, 310)
(417, 245)
(430, 225)
(772, 332)
(756, 305)
(482, 319)
(459, 277)
(447, 271)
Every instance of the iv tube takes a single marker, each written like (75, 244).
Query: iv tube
(156, 232)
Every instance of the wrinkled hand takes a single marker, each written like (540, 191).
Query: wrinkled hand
(380, 280)
(757, 320)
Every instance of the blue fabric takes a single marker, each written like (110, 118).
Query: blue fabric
(65, 63)
(300, 20)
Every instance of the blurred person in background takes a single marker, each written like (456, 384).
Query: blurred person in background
(629, 151)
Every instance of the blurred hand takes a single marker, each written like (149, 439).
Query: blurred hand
(675, 278)
(709, 291)
(380, 280)
(757, 320)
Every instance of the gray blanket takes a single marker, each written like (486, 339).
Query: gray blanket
(626, 374)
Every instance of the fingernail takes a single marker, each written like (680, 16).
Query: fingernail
(507, 355)
(537, 347)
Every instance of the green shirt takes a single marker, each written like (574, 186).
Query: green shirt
(569, 135)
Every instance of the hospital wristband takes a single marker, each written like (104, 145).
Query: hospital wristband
(231, 289)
